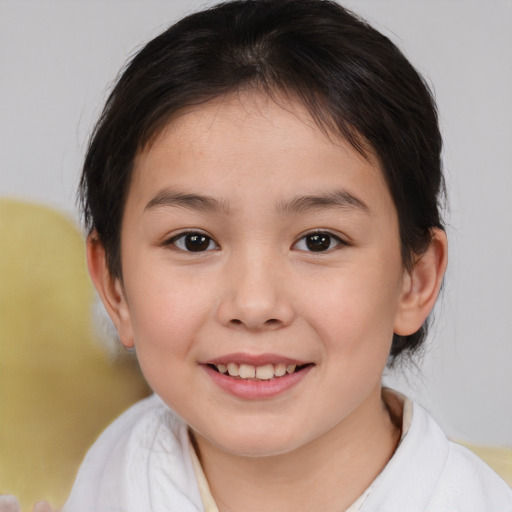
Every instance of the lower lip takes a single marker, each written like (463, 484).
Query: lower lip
(247, 389)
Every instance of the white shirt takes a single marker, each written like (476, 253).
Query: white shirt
(144, 462)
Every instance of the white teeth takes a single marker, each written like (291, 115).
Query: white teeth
(279, 369)
(233, 369)
(265, 372)
(290, 368)
(247, 371)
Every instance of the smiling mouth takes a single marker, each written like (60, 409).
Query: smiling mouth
(251, 372)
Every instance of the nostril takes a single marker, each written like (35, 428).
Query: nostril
(271, 322)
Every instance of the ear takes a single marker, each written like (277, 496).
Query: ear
(110, 290)
(421, 285)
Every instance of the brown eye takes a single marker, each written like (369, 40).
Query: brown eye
(194, 242)
(318, 242)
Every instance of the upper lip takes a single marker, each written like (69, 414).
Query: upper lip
(254, 359)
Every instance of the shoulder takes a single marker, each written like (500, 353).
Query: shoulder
(120, 441)
(428, 473)
(467, 480)
(460, 480)
(142, 454)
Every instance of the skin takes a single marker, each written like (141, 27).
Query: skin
(259, 289)
(9, 503)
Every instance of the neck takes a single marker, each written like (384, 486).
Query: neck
(327, 474)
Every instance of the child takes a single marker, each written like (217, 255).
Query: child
(262, 199)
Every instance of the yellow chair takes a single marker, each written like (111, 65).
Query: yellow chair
(58, 386)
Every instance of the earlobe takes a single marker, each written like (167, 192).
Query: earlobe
(110, 290)
(421, 285)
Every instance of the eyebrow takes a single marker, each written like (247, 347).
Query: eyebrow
(337, 199)
(191, 201)
(300, 204)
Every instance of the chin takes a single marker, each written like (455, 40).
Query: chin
(255, 442)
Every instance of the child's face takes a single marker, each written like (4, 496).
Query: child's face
(249, 237)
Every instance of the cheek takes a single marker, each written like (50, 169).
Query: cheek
(354, 311)
(165, 325)
(167, 312)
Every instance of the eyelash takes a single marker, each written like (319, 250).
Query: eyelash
(317, 237)
(320, 235)
(181, 238)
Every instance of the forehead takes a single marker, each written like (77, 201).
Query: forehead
(250, 152)
(253, 133)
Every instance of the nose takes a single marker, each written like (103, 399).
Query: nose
(255, 295)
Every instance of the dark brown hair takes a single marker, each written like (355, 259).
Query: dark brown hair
(352, 79)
